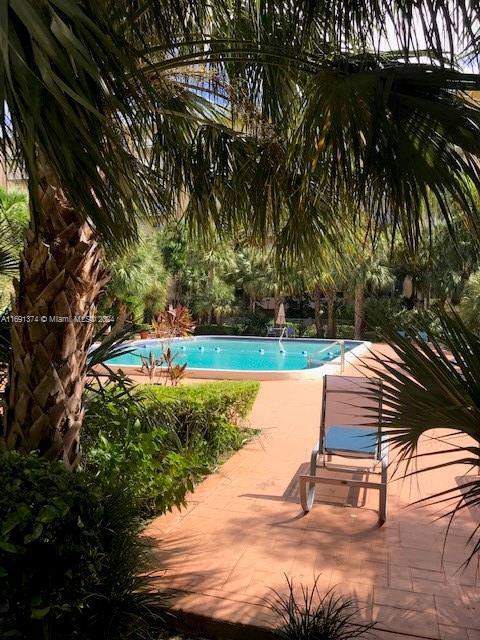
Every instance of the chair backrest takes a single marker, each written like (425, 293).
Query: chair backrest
(352, 402)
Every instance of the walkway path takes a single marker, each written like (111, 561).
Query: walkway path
(244, 530)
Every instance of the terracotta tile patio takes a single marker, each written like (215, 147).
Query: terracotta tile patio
(243, 530)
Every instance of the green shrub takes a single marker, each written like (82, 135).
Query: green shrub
(162, 440)
(345, 331)
(49, 534)
(310, 331)
(69, 552)
(256, 324)
(207, 416)
(231, 399)
(216, 330)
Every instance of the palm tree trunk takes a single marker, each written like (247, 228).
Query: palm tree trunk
(359, 295)
(121, 319)
(317, 302)
(277, 302)
(331, 323)
(60, 280)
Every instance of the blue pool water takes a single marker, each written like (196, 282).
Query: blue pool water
(239, 354)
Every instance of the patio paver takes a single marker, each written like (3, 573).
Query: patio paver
(244, 530)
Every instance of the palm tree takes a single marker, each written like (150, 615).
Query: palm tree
(373, 275)
(439, 268)
(138, 284)
(469, 308)
(97, 104)
(324, 275)
(66, 100)
(365, 268)
(262, 276)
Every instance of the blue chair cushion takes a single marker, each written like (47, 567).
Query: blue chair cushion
(357, 439)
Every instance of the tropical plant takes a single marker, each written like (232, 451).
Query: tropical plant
(174, 322)
(367, 267)
(70, 556)
(13, 220)
(204, 277)
(439, 268)
(172, 371)
(311, 615)
(105, 347)
(262, 276)
(434, 385)
(324, 275)
(14, 205)
(150, 366)
(67, 97)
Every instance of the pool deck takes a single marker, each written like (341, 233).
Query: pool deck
(243, 530)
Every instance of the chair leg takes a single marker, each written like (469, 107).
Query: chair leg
(382, 510)
(307, 495)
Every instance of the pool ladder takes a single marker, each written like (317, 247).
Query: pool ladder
(342, 353)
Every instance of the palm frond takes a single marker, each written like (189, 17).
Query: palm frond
(395, 139)
(68, 88)
(434, 385)
(104, 348)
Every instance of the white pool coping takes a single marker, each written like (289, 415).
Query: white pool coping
(313, 373)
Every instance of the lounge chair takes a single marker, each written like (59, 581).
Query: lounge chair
(350, 427)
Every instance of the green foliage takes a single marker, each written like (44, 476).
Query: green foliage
(311, 615)
(469, 308)
(435, 385)
(14, 208)
(40, 503)
(230, 400)
(216, 330)
(442, 262)
(309, 332)
(345, 331)
(161, 440)
(69, 553)
(14, 216)
(139, 282)
(257, 324)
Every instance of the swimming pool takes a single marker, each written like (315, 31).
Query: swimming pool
(246, 357)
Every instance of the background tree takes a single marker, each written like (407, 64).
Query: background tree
(469, 307)
(324, 276)
(139, 283)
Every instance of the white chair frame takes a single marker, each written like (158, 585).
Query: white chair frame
(320, 454)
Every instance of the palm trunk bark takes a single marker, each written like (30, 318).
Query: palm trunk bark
(61, 277)
(331, 323)
(359, 296)
(277, 302)
(317, 302)
(121, 319)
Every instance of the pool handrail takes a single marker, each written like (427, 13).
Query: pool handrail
(341, 342)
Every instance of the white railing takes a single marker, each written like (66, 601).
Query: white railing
(329, 346)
